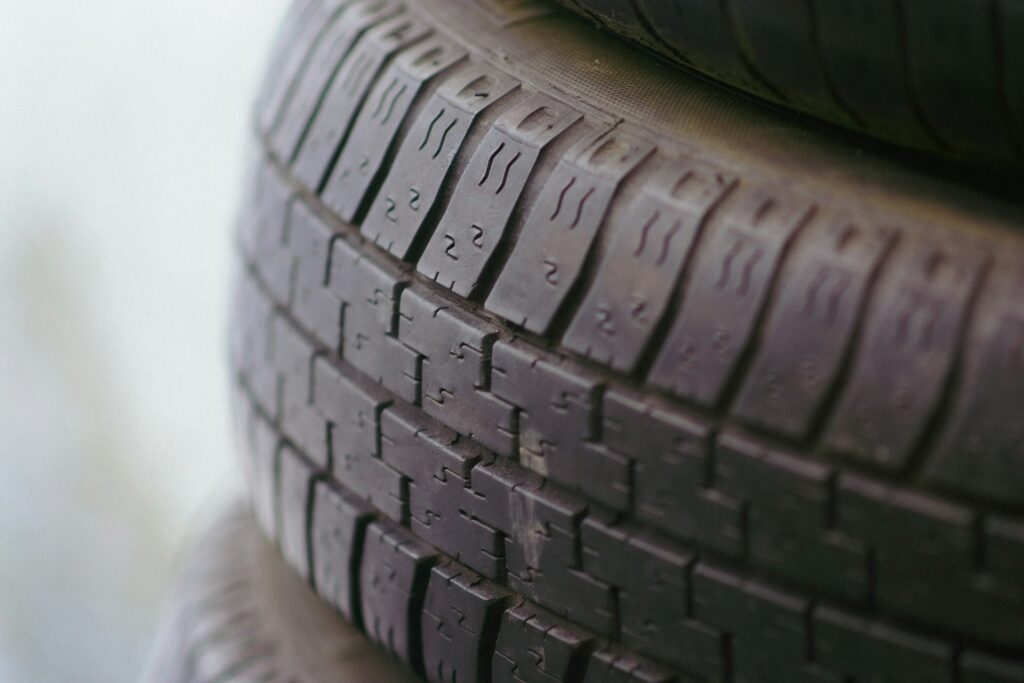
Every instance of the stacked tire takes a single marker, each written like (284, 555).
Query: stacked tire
(555, 362)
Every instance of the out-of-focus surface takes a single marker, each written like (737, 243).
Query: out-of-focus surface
(122, 126)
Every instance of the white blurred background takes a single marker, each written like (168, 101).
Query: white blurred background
(122, 125)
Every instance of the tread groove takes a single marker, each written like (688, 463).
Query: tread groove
(952, 380)
(728, 58)
(604, 530)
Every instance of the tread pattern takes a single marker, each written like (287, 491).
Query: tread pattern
(240, 615)
(894, 70)
(642, 511)
(461, 616)
(470, 230)
(561, 229)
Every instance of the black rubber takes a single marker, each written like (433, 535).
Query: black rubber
(239, 614)
(544, 377)
(942, 75)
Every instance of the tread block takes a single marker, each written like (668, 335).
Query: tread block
(421, 448)
(651, 578)
(671, 456)
(264, 206)
(788, 502)
(557, 410)
(270, 256)
(493, 485)
(613, 666)
(810, 327)
(274, 260)
(260, 375)
(549, 254)
(293, 55)
(768, 628)
(324, 66)
(544, 562)
(425, 158)
(377, 125)
(253, 346)
(292, 358)
(354, 416)
(262, 468)
(982, 450)
(314, 306)
(300, 421)
(456, 356)
(297, 17)
(542, 542)
(343, 100)
(874, 651)
(643, 264)
(604, 476)
(369, 296)
(393, 580)
(337, 530)
(730, 284)
(488, 191)
(295, 489)
(925, 561)
(908, 345)
(438, 467)
(920, 524)
(536, 647)
(461, 616)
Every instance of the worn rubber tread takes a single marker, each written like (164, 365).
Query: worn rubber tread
(555, 466)
(900, 71)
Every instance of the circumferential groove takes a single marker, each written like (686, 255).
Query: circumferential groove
(728, 480)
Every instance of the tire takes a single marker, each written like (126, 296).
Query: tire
(240, 614)
(901, 71)
(705, 396)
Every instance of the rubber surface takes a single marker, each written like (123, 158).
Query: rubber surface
(239, 614)
(542, 380)
(943, 75)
